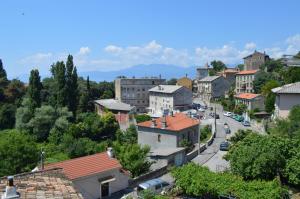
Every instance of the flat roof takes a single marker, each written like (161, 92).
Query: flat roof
(113, 104)
(165, 88)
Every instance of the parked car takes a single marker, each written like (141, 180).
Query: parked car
(239, 118)
(224, 146)
(156, 185)
(201, 109)
(217, 116)
(227, 114)
(246, 123)
(226, 128)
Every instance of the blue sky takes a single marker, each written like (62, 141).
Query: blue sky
(117, 34)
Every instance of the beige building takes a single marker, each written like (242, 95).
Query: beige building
(287, 96)
(255, 60)
(212, 87)
(134, 91)
(186, 82)
(244, 81)
(229, 74)
(251, 100)
(167, 98)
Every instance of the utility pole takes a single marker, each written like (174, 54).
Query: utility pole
(215, 133)
(199, 135)
(42, 159)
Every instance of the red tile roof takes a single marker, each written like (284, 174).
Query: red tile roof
(177, 122)
(87, 165)
(247, 95)
(247, 72)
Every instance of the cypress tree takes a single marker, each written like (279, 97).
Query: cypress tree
(34, 90)
(71, 85)
(3, 75)
(3, 81)
(84, 105)
(59, 98)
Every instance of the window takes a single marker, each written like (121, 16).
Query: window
(158, 137)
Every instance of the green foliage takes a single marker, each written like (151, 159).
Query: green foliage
(270, 97)
(129, 136)
(23, 115)
(133, 157)
(272, 65)
(205, 133)
(198, 181)
(14, 92)
(240, 109)
(18, 153)
(59, 94)
(260, 80)
(241, 67)
(7, 116)
(34, 90)
(218, 65)
(291, 75)
(185, 143)
(240, 135)
(172, 81)
(142, 118)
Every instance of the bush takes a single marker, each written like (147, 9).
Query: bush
(142, 118)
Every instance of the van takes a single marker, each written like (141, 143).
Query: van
(155, 185)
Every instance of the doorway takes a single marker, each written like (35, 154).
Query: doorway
(104, 189)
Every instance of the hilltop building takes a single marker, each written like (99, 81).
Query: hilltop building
(255, 60)
(203, 71)
(134, 91)
(186, 82)
(244, 81)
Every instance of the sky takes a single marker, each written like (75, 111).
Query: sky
(111, 35)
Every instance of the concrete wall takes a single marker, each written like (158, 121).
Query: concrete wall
(168, 139)
(135, 91)
(89, 186)
(284, 103)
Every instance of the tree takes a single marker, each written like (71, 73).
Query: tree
(240, 108)
(3, 80)
(23, 115)
(272, 65)
(7, 116)
(260, 79)
(240, 135)
(269, 95)
(34, 90)
(85, 103)
(18, 153)
(142, 118)
(129, 136)
(133, 157)
(291, 75)
(199, 182)
(241, 67)
(71, 85)
(172, 81)
(59, 96)
(218, 65)
(14, 92)
(259, 157)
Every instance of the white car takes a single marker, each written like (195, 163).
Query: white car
(201, 109)
(227, 114)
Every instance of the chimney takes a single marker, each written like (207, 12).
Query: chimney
(153, 123)
(110, 152)
(10, 190)
(164, 122)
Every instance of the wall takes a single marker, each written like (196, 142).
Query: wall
(284, 103)
(219, 87)
(89, 186)
(246, 80)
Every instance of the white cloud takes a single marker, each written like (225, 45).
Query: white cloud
(37, 58)
(250, 46)
(113, 49)
(84, 51)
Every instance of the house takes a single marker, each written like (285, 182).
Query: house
(251, 100)
(229, 74)
(255, 60)
(203, 71)
(287, 96)
(134, 91)
(244, 81)
(94, 176)
(166, 98)
(186, 82)
(165, 135)
(123, 112)
(212, 87)
(50, 183)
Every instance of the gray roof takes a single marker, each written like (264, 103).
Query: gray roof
(165, 88)
(209, 78)
(288, 88)
(113, 104)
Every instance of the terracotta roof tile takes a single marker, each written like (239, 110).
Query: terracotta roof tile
(247, 95)
(247, 72)
(87, 165)
(177, 122)
(43, 184)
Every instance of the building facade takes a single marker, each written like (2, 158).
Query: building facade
(203, 71)
(287, 97)
(186, 82)
(166, 98)
(252, 101)
(229, 75)
(134, 91)
(255, 60)
(212, 87)
(244, 81)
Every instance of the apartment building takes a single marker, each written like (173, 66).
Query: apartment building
(166, 98)
(134, 91)
(244, 81)
(251, 100)
(212, 87)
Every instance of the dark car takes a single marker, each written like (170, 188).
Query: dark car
(246, 123)
(224, 146)
(227, 130)
(217, 116)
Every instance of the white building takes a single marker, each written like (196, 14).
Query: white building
(166, 98)
(287, 96)
(251, 100)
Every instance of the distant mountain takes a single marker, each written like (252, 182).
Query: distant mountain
(166, 71)
(154, 70)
